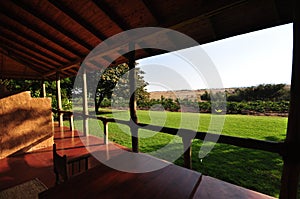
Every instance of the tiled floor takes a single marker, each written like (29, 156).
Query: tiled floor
(38, 164)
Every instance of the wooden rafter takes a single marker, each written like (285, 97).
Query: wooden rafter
(35, 41)
(152, 11)
(35, 29)
(81, 21)
(6, 75)
(112, 15)
(30, 55)
(65, 67)
(54, 25)
(15, 42)
(28, 60)
(19, 60)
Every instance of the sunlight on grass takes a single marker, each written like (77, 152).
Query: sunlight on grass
(253, 169)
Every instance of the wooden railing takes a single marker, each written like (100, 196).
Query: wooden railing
(188, 135)
(68, 114)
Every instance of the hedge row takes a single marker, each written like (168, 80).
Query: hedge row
(231, 107)
(206, 107)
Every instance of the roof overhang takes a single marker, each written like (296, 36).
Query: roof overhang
(39, 38)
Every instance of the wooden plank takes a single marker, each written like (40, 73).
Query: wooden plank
(52, 24)
(65, 67)
(15, 41)
(264, 145)
(270, 146)
(153, 12)
(112, 15)
(33, 54)
(212, 188)
(291, 168)
(36, 41)
(169, 182)
(37, 30)
(81, 21)
(11, 52)
(21, 60)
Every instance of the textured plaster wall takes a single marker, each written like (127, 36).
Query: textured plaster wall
(25, 124)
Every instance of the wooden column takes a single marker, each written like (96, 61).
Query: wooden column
(58, 99)
(85, 104)
(71, 121)
(187, 155)
(132, 101)
(291, 168)
(105, 129)
(44, 89)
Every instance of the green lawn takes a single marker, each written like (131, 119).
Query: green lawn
(254, 169)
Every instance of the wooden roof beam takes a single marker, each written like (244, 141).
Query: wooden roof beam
(153, 13)
(35, 29)
(112, 15)
(19, 59)
(5, 75)
(35, 41)
(150, 51)
(81, 21)
(32, 56)
(65, 67)
(15, 42)
(52, 24)
(29, 59)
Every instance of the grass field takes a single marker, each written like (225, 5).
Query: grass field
(254, 169)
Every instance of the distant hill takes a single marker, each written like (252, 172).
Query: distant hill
(182, 94)
(190, 94)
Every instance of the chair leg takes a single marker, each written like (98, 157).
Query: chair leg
(86, 163)
(56, 178)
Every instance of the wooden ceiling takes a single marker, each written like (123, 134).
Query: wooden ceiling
(41, 37)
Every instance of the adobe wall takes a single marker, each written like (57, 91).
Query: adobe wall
(25, 124)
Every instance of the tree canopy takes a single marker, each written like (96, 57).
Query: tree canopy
(264, 92)
(114, 82)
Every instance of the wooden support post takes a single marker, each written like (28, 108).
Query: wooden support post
(105, 130)
(71, 121)
(291, 167)
(85, 105)
(58, 99)
(132, 102)
(44, 90)
(187, 147)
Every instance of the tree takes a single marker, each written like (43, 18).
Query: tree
(15, 86)
(265, 92)
(35, 87)
(114, 81)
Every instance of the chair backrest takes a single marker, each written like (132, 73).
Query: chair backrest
(60, 166)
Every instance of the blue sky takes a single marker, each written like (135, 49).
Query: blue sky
(259, 57)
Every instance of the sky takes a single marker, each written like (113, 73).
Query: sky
(261, 57)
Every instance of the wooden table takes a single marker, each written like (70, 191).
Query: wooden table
(104, 182)
(169, 182)
(212, 188)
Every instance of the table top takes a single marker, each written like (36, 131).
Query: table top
(102, 181)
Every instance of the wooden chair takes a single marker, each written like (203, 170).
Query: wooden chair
(62, 165)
